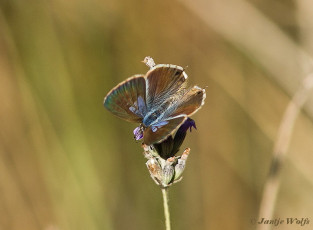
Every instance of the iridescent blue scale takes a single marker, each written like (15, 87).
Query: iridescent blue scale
(159, 100)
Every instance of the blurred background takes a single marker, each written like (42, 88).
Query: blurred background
(66, 163)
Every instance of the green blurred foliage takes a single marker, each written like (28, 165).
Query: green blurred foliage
(67, 163)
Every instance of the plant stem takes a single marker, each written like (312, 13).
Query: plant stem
(166, 208)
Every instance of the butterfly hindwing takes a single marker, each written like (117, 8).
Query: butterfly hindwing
(128, 99)
(161, 130)
(191, 102)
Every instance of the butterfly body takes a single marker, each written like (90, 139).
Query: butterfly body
(159, 100)
(158, 114)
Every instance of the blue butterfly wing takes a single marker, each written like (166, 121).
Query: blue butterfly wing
(159, 131)
(128, 99)
(163, 82)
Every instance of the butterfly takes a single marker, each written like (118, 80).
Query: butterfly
(159, 101)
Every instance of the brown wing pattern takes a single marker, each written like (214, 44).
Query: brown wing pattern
(127, 99)
(163, 82)
(153, 134)
(191, 102)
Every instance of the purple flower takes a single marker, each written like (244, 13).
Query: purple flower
(170, 146)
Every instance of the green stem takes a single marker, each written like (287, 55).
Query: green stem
(166, 208)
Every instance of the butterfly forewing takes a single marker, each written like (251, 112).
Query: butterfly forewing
(163, 82)
(161, 130)
(128, 99)
(191, 102)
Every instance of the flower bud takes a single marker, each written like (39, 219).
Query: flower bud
(180, 166)
(168, 172)
(155, 170)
